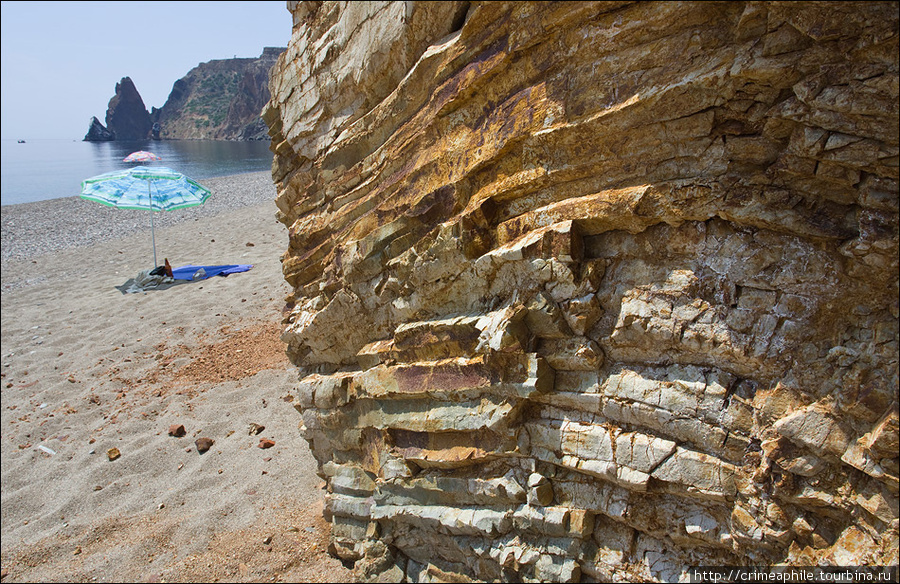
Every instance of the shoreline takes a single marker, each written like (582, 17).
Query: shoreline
(31, 230)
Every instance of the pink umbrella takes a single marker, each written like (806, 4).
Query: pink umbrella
(141, 156)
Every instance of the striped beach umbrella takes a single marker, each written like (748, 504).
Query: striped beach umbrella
(141, 156)
(153, 188)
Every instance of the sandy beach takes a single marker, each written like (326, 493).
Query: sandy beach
(88, 371)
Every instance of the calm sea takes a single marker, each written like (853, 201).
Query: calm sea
(49, 169)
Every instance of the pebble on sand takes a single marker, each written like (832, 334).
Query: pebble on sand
(204, 444)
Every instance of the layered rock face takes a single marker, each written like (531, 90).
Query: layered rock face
(594, 291)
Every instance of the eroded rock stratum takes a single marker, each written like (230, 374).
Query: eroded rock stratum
(594, 291)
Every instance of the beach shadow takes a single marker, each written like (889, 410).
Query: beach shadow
(131, 287)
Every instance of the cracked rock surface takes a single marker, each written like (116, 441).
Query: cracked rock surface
(594, 291)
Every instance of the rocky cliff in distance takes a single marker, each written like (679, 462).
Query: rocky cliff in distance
(97, 132)
(594, 291)
(126, 116)
(218, 100)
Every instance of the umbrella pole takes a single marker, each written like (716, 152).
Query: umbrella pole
(152, 230)
(153, 234)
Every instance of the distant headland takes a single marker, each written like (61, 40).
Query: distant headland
(217, 100)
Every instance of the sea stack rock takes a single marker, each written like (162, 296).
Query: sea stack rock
(127, 117)
(97, 132)
(594, 291)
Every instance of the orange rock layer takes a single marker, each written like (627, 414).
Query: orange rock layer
(594, 290)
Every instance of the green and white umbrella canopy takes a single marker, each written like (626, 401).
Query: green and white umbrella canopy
(153, 188)
(145, 187)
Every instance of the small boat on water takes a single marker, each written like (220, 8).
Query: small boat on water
(21, 141)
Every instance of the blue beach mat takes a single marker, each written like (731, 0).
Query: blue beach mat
(146, 280)
(189, 272)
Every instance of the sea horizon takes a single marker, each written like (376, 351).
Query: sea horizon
(53, 168)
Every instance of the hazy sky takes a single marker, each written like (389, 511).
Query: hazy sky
(61, 60)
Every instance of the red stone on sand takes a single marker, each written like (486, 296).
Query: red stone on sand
(204, 444)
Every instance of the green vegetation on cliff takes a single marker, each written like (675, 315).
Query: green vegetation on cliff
(218, 100)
